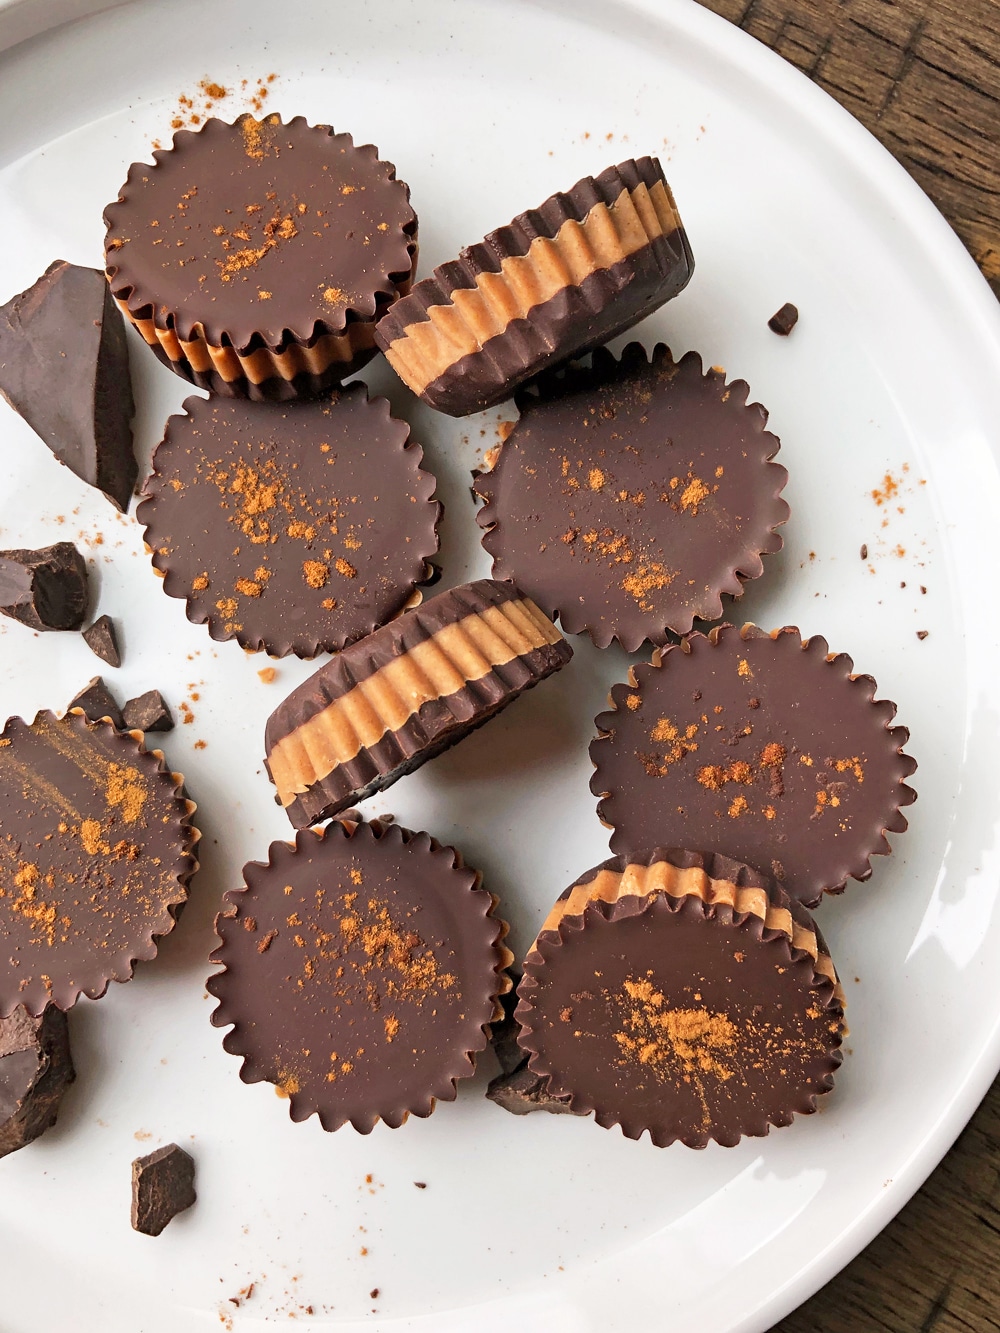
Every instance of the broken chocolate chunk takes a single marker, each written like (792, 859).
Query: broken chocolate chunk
(103, 640)
(517, 1088)
(784, 320)
(148, 712)
(524, 1091)
(44, 589)
(97, 701)
(162, 1187)
(36, 1068)
(64, 368)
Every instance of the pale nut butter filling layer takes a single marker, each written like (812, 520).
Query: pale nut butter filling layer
(609, 886)
(608, 234)
(443, 664)
(263, 363)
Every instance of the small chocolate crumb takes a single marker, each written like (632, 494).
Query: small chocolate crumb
(420, 1184)
(864, 551)
(148, 712)
(97, 701)
(374, 1293)
(162, 1187)
(44, 589)
(102, 639)
(35, 1070)
(784, 320)
(922, 633)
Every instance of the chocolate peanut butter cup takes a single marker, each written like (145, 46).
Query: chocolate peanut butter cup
(362, 967)
(764, 746)
(96, 851)
(633, 493)
(557, 281)
(684, 995)
(292, 527)
(388, 703)
(254, 258)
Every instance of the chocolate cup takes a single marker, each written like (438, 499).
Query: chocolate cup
(282, 245)
(766, 747)
(295, 528)
(417, 686)
(632, 494)
(688, 1007)
(555, 283)
(363, 965)
(96, 852)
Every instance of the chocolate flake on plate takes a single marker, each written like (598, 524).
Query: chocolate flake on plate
(44, 589)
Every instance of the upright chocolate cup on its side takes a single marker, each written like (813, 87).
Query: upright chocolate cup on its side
(363, 965)
(388, 703)
(554, 283)
(684, 995)
(255, 258)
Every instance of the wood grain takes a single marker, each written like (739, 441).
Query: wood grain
(924, 77)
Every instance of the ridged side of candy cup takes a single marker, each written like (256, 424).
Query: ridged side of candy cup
(235, 213)
(97, 850)
(765, 746)
(682, 995)
(362, 966)
(415, 687)
(555, 282)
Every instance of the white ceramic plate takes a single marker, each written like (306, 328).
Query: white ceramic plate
(543, 1222)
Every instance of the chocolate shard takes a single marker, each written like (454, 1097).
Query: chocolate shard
(36, 1068)
(148, 712)
(44, 589)
(102, 639)
(162, 1187)
(784, 320)
(517, 1088)
(64, 368)
(97, 701)
(524, 1091)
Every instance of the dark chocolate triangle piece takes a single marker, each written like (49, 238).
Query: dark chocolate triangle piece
(44, 589)
(64, 368)
(148, 712)
(97, 701)
(103, 640)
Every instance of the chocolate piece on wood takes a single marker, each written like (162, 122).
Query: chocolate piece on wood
(64, 368)
(103, 640)
(36, 1068)
(784, 320)
(44, 589)
(148, 712)
(97, 701)
(162, 1187)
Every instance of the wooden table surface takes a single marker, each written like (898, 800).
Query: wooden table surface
(924, 77)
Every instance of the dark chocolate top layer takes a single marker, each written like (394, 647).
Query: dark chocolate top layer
(760, 746)
(362, 967)
(95, 855)
(64, 368)
(632, 494)
(687, 1020)
(293, 527)
(361, 660)
(260, 228)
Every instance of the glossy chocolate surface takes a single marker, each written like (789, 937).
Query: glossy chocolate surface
(760, 748)
(360, 971)
(632, 494)
(293, 527)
